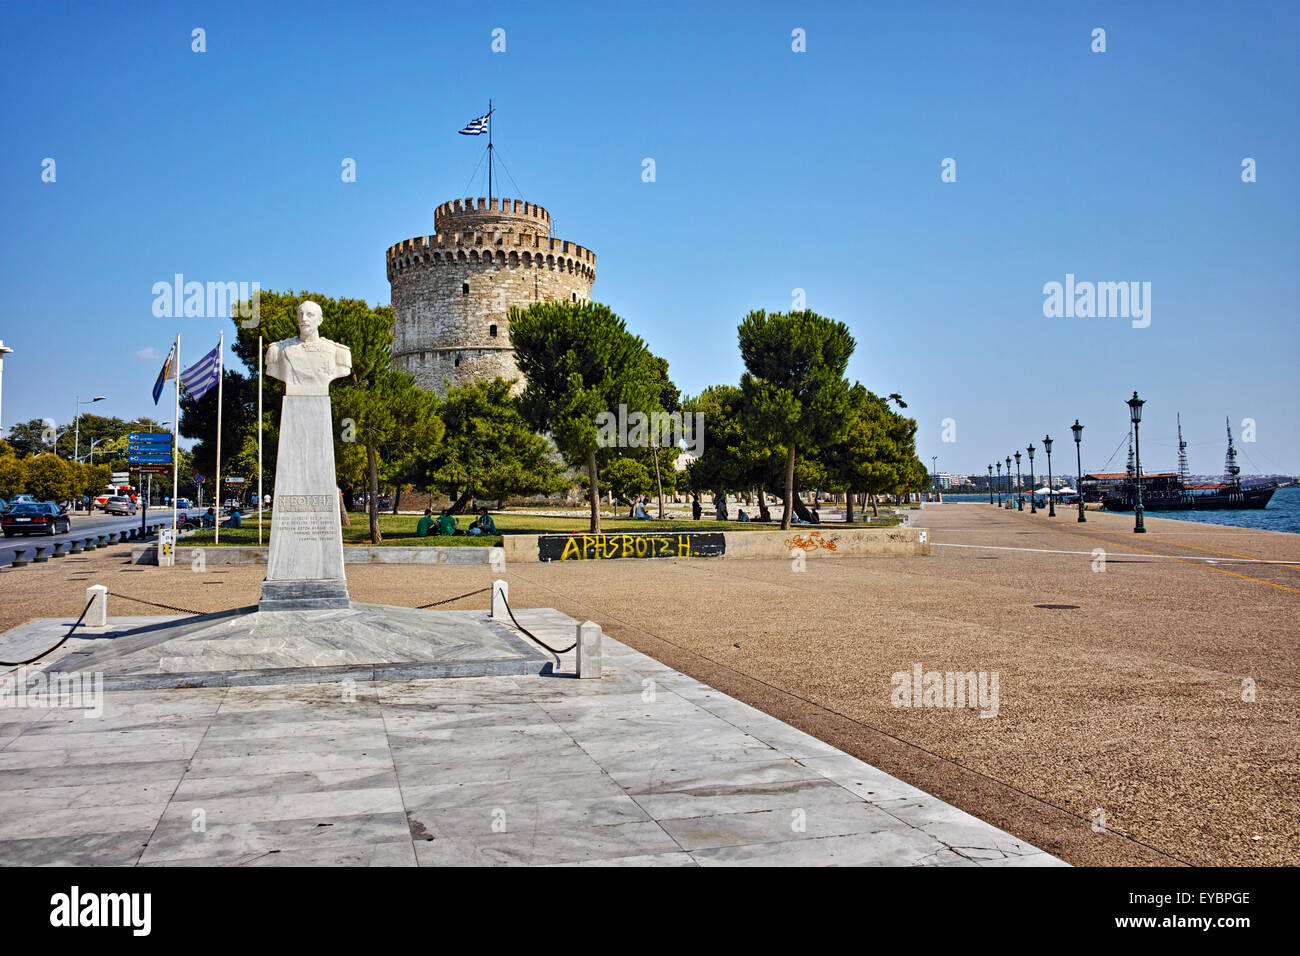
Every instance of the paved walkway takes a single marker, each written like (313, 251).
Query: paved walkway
(645, 767)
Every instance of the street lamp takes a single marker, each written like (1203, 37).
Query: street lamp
(990, 484)
(1020, 494)
(1009, 483)
(999, 464)
(76, 442)
(4, 350)
(1033, 502)
(1051, 498)
(1135, 415)
(1078, 463)
(934, 471)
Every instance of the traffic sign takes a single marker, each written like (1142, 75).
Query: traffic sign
(234, 481)
(119, 477)
(151, 469)
(198, 479)
(150, 438)
(149, 459)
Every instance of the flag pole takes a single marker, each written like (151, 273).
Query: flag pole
(260, 499)
(489, 153)
(221, 375)
(176, 434)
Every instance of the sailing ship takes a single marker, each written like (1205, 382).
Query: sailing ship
(1178, 493)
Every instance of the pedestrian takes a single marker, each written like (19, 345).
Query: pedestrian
(696, 508)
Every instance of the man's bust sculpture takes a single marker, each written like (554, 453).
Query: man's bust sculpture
(304, 564)
(307, 364)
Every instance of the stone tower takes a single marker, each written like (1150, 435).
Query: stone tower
(452, 291)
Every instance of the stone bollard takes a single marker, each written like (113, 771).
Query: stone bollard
(40, 555)
(89, 545)
(58, 550)
(74, 546)
(97, 616)
(589, 649)
(19, 561)
(103, 543)
(500, 597)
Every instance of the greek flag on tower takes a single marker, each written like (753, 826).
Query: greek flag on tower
(477, 127)
(201, 377)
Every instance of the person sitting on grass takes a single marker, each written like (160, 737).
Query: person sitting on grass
(483, 524)
(741, 516)
(425, 523)
(447, 523)
(210, 519)
(235, 520)
(640, 514)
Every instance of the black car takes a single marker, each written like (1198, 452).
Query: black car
(41, 517)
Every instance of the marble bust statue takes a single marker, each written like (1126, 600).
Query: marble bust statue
(308, 363)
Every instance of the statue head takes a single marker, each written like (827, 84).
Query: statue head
(309, 318)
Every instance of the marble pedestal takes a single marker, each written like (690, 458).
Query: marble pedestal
(304, 567)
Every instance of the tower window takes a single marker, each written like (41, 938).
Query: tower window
(457, 361)
(464, 288)
(492, 331)
(575, 296)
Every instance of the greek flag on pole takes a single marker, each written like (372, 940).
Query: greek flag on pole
(477, 127)
(201, 377)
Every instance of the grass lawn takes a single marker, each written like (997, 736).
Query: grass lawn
(399, 530)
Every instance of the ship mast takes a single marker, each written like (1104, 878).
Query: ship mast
(1131, 469)
(1230, 467)
(1182, 454)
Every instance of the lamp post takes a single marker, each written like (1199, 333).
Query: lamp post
(1135, 415)
(999, 464)
(1009, 504)
(1020, 493)
(76, 441)
(1078, 463)
(4, 350)
(1051, 498)
(934, 472)
(1033, 502)
(990, 484)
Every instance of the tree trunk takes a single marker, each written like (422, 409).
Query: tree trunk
(343, 512)
(875, 511)
(373, 461)
(848, 508)
(397, 497)
(789, 490)
(595, 492)
(660, 485)
(763, 513)
(462, 502)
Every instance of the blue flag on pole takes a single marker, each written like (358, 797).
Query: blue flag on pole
(477, 127)
(165, 374)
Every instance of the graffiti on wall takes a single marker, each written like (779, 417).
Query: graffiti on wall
(813, 542)
(661, 544)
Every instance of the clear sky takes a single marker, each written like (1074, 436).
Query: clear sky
(775, 170)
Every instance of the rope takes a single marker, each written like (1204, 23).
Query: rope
(165, 607)
(422, 607)
(32, 660)
(534, 637)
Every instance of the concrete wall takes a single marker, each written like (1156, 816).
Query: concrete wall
(819, 541)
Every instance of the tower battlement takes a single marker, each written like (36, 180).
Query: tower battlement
(452, 291)
(478, 215)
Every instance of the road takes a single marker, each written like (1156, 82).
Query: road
(82, 526)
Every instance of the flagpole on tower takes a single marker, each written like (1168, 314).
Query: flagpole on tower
(221, 349)
(176, 434)
(489, 153)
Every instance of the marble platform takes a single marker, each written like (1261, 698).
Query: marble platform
(364, 642)
(646, 767)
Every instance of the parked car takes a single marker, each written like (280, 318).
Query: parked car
(184, 503)
(41, 517)
(119, 505)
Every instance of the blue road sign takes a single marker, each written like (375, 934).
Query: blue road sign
(149, 459)
(149, 438)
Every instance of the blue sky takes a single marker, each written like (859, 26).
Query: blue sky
(775, 171)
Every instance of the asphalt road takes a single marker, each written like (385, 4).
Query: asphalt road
(83, 526)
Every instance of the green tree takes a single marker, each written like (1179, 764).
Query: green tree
(579, 360)
(50, 478)
(794, 386)
(13, 472)
(488, 450)
(628, 479)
